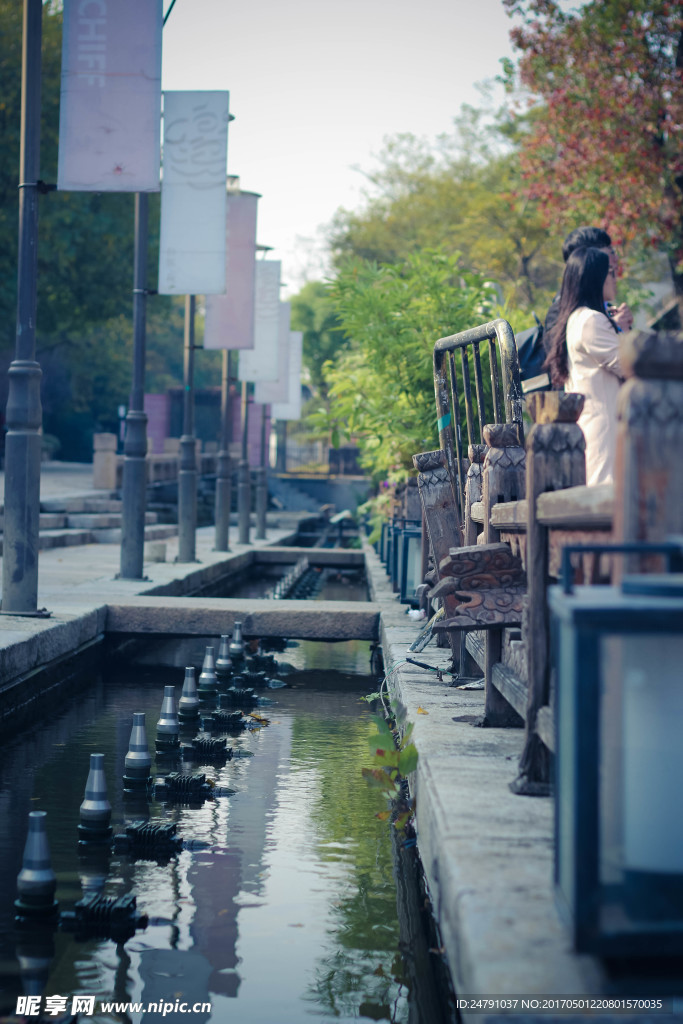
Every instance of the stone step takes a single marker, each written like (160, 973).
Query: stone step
(152, 532)
(47, 521)
(62, 539)
(81, 503)
(102, 520)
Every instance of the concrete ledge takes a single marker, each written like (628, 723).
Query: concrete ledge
(207, 616)
(336, 557)
(487, 853)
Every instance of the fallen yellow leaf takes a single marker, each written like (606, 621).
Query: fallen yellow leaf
(421, 711)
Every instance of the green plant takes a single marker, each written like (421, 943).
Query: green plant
(394, 758)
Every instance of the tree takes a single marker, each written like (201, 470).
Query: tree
(605, 129)
(382, 385)
(460, 195)
(313, 312)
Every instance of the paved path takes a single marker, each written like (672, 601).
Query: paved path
(58, 479)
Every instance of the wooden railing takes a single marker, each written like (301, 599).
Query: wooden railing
(552, 509)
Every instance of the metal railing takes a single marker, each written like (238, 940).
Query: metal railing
(505, 400)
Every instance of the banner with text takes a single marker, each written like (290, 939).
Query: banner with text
(229, 319)
(278, 390)
(193, 198)
(291, 409)
(110, 101)
(260, 363)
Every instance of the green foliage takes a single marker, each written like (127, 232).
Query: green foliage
(394, 757)
(382, 386)
(459, 195)
(313, 313)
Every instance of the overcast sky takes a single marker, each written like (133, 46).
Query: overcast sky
(316, 85)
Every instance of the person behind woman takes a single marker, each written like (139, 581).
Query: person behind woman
(584, 355)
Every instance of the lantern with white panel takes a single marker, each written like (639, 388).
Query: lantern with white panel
(619, 761)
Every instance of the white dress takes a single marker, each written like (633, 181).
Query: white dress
(595, 371)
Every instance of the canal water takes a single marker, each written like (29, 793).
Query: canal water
(283, 910)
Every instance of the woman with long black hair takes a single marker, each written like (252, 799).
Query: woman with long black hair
(584, 355)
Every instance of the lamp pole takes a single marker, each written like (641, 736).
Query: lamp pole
(262, 483)
(135, 443)
(24, 411)
(243, 478)
(223, 480)
(187, 473)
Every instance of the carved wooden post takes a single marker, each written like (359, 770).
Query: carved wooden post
(473, 490)
(502, 480)
(555, 459)
(648, 483)
(440, 516)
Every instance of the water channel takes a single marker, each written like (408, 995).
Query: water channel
(284, 907)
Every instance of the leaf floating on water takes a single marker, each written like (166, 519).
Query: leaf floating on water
(382, 815)
(259, 718)
(379, 972)
(421, 711)
(296, 926)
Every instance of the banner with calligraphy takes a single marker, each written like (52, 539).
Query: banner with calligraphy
(193, 198)
(110, 99)
(229, 318)
(260, 363)
(291, 409)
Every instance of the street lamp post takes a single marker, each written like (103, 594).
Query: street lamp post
(243, 478)
(223, 471)
(135, 444)
(262, 484)
(24, 410)
(187, 473)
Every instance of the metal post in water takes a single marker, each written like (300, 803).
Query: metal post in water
(223, 470)
(262, 485)
(243, 481)
(187, 473)
(36, 882)
(135, 443)
(95, 813)
(138, 760)
(24, 411)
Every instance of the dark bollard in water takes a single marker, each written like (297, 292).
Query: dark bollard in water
(237, 696)
(186, 789)
(104, 917)
(149, 839)
(205, 748)
(208, 682)
(95, 815)
(188, 705)
(36, 882)
(168, 741)
(138, 763)
(223, 661)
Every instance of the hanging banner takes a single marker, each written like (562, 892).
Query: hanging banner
(277, 390)
(229, 318)
(260, 363)
(291, 409)
(110, 100)
(193, 198)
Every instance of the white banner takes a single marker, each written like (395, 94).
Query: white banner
(278, 390)
(229, 320)
(291, 409)
(260, 363)
(110, 102)
(193, 200)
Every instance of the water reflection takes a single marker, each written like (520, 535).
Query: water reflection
(290, 909)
